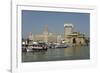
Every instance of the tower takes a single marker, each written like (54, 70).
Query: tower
(45, 33)
(68, 29)
(30, 36)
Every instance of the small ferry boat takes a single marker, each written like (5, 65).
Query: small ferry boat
(33, 46)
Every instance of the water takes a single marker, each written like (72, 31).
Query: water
(70, 53)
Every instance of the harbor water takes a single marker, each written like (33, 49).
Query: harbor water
(56, 54)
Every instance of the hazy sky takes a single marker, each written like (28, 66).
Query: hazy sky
(34, 21)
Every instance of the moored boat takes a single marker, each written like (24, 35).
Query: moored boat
(39, 47)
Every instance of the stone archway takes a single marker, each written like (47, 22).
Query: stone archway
(74, 40)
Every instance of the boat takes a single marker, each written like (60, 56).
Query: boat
(39, 47)
(29, 48)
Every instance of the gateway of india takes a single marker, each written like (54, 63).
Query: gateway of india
(69, 36)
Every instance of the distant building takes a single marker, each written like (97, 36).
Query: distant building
(69, 36)
(30, 36)
(76, 38)
(45, 34)
(68, 29)
(73, 37)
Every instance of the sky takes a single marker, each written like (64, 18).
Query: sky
(35, 21)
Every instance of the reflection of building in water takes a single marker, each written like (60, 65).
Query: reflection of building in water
(69, 36)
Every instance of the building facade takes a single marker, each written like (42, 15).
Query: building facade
(69, 36)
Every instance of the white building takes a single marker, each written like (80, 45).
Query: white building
(68, 29)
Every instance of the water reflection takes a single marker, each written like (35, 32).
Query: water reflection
(70, 53)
